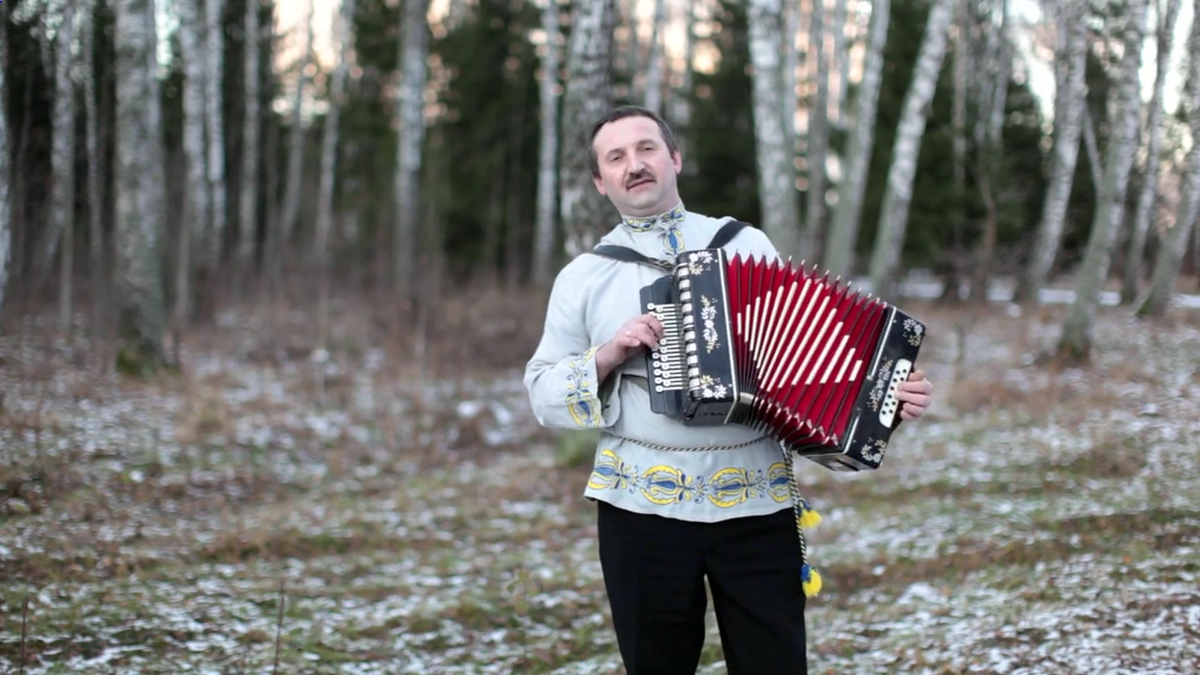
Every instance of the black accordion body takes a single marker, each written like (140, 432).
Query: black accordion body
(781, 349)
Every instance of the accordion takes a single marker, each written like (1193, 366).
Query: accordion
(782, 349)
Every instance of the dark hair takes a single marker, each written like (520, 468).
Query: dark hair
(621, 113)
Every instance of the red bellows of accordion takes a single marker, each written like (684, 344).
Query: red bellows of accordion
(802, 344)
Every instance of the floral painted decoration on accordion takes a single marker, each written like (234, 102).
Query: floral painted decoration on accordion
(709, 315)
(711, 387)
(699, 261)
(882, 377)
(872, 450)
(914, 332)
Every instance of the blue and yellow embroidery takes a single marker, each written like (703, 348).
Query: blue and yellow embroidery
(670, 220)
(665, 485)
(673, 241)
(582, 401)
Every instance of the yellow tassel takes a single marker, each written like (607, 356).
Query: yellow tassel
(811, 581)
(809, 519)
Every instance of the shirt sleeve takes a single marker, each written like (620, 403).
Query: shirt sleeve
(561, 378)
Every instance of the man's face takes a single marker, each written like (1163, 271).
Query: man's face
(637, 172)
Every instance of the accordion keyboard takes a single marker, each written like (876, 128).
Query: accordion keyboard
(890, 405)
(667, 362)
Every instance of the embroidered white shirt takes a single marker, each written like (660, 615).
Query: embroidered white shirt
(591, 297)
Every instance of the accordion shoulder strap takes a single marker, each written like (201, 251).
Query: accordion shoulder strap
(726, 234)
(625, 254)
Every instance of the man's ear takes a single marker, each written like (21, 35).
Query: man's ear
(677, 161)
(599, 186)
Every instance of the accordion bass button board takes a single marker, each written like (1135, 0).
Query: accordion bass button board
(782, 349)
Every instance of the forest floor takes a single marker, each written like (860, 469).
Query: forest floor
(416, 520)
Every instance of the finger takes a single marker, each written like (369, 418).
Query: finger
(655, 325)
(639, 335)
(647, 336)
(913, 398)
(916, 376)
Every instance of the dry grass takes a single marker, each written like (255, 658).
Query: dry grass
(404, 529)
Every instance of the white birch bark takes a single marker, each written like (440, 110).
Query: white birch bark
(791, 74)
(1076, 339)
(962, 65)
(1095, 161)
(840, 65)
(1140, 225)
(776, 171)
(196, 200)
(215, 124)
(1158, 296)
(292, 198)
(681, 104)
(342, 22)
(654, 62)
(5, 226)
(62, 160)
(137, 172)
(414, 51)
(543, 247)
(818, 136)
(585, 213)
(61, 140)
(843, 232)
(885, 256)
(95, 179)
(1070, 58)
(248, 199)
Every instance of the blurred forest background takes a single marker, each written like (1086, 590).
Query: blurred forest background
(164, 160)
(270, 271)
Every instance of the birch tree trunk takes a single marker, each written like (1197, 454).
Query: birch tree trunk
(62, 159)
(95, 179)
(61, 142)
(791, 75)
(958, 121)
(1095, 161)
(414, 50)
(1076, 339)
(1174, 244)
(654, 62)
(897, 197)
(818, 137)
(248, 198)
(843, 233)
(990, 154)
(196, 200)
(5, 227)
(292, 190)
(840, 65)
(682, 101)
(1154, 131)
(342, 23)
(543, 248)
(137, 171)
(585, 212)
(215, 123)
(776, 171)
(1071, 53)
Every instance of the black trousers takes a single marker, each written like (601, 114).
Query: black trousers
(654, 571)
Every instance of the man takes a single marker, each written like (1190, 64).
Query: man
(669, 517)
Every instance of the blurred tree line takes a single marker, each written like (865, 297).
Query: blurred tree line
(278, 173)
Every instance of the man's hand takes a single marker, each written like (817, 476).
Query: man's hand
(641, 331)
(914, 395)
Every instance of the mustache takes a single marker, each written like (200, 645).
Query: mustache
(635, 177)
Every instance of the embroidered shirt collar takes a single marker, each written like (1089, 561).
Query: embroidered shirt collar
(665, 221)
